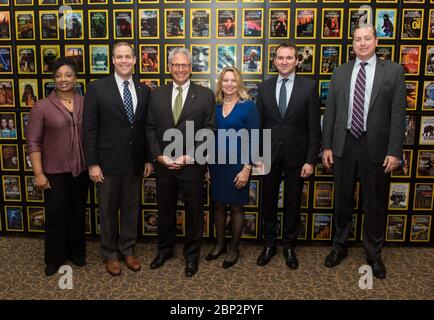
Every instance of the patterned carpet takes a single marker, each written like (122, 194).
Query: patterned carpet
(410, 275)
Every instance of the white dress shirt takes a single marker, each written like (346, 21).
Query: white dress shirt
(370, 73)
(175, 91)
(289, 85)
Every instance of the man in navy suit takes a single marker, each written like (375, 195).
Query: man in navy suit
(288, 105)
(115, 150)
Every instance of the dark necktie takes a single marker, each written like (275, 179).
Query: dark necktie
(282, 97)
(128, 102)
(357, 119)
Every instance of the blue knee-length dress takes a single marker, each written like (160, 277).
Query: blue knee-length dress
(243, 116)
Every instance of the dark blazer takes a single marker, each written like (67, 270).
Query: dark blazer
(299, 131)
(386, 116)
(198, 108)
(109, 139)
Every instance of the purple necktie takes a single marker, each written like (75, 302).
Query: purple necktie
(357, 118)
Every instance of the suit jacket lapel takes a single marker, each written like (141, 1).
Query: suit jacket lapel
(117, 96)
(347, 75)
(139, 108)
(378, 80)
(272, 92)
(191, 97)
(167, 102)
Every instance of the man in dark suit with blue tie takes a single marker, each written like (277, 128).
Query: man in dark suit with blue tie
(289, 106)
(363, 133)
(115, 150)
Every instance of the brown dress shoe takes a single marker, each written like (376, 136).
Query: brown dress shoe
(133, 263)
(113, 267)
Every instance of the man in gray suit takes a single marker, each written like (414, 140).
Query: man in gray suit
(363, 132)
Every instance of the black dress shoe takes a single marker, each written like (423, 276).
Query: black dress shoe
(51, 270)
(211, 256)
(159, 260)
(227, 264)
(191, 269)
(79, 262)
(378, 268)
(334, 259)
(291, 259)
(266, 255)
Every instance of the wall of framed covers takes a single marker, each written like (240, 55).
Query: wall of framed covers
(219, 33)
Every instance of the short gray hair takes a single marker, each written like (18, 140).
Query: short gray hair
(366, 25)
(179, 50)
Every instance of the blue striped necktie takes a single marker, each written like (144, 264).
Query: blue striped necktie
(128, 102)
(357, 119)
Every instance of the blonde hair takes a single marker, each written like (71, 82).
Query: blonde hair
(242, 91)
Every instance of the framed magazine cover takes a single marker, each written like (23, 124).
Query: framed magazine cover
(412, 88)
(302, 227)
(425, 164)
(200, 23)
(253, 194)
(332, 23)
(426, 136)
(123, 24)
(174, 23)
(52, 2)
(412, 24)
(24, 121)
(149, 23)
(305, 23)
(7, 96)
(8, 125)
(423, 196)
(409, 58)
(11, 188)
(98, 24)
(429, 65)
(26, 159)
(330, 58)
(151, 83)
(226, 23)
(428, 96)
(28, 92)
(10, 160)
(180, 223)
(226, 56)
(149, 222)
(49, 54)
(271, 67)
(323, 195)
(14, 218)
(206, 220)
(250, 226)
(251, 59)
(306, 59)
(5, 25)
(420, 230)
(149, 191)
(49, 25)
(73, 25)
(26, 58)
(398, 196)
(322, 226)
(253, 23)
(149, 58)
(396, 227)
(25, 25)
(278, 23)
(430, 31)
(385, 23)
(201, 58)
(99, 62)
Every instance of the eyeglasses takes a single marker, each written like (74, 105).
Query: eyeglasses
(179, 66)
